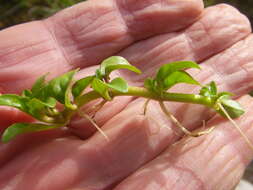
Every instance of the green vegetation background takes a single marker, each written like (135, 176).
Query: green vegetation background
(18, 11)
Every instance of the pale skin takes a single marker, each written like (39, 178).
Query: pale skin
(148, 33)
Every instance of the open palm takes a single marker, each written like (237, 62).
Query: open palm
(142, 152)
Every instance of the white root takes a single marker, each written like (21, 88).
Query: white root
(178, 124)
(94, 124)
(97, 107)
(145, 106)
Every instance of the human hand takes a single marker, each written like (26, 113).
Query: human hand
(148, 34)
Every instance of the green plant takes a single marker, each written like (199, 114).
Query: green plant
(42, 99)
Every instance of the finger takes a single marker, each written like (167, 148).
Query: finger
(78, 165)
(45, 161)
(84, 35)
(185, 45)
(214, 161)
(10, 115)
(219, 28)
(26, 143)
(87, 167)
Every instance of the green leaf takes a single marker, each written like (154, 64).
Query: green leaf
(116, 62)
(50, 102)
(36, 108)
(26, 93)
(209, 90)
(38, 91)
(178, 77)
(149, 84)
(98, 74)
(233, 108)
(229, 94)
(33, 107)
(57, 88)
(101, 87)
(45, 100)
(118, 84)
(38, 85)
(81, 85)
(168, 69)
(21, 128)
(13, 100)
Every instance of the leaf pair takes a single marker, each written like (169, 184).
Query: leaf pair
(171, 74)
(31, 106)
(40, 103)
(232, 107)
(118, 84)
(57, 89)
(114, 63)
(99, 82)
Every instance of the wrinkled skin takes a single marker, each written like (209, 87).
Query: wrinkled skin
(143, 151)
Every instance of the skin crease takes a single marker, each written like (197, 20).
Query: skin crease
(143, 151)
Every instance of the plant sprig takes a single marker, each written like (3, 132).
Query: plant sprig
(41, 100)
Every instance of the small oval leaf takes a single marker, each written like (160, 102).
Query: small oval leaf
(13, 100)
(27, 93)
(116, 62)
(57, 87)
(33, 107)
(178, 77)
(38, 85)
(81, 85)
(118, 84)
(209, 90)
(37, 108)
(149, 84)
(169, 68)
(100, 87)
(38, 92)
(50, 102)
(21, 128)
(233, 108)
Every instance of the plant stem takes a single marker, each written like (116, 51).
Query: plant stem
(143, 92)
(139, 92)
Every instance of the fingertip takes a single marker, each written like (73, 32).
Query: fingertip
(147, 18)
(11, 115)
(233, 15)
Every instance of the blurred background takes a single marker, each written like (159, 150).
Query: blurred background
(19, 11)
